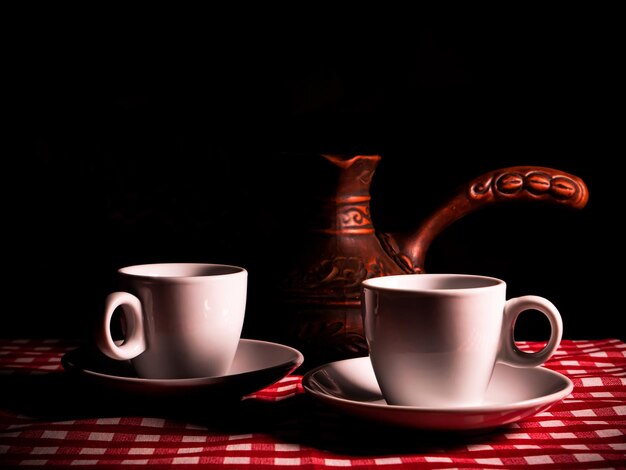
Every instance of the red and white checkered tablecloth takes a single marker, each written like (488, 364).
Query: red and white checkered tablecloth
(48, 418)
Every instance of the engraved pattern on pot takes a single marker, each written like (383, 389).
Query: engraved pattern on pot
(538, 183)
(340, 272)
(535, 183)
(563, 188)
(510, 183)
(354, 216)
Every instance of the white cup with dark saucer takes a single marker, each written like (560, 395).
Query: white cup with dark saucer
(182, 331)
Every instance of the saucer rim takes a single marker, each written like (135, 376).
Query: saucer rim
(293, 363)
(550, 398)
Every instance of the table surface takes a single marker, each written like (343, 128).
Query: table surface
(48, 417)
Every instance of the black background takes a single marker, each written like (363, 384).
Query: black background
(172, 140)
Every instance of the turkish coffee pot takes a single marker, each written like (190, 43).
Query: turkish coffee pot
(318, 309)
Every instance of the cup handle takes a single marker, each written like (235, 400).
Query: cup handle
(135, 342)
(509, 353)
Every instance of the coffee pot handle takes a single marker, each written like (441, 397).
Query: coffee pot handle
(518, 183)
(135, 342)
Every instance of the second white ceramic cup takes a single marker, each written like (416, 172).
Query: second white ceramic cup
(182, 320)
(434, 339)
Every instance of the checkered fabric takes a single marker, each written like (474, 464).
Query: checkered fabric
(44, 421)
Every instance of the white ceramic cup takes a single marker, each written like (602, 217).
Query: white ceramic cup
(434, 339)
(182, 319)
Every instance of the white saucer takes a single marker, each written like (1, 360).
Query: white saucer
(514, 394)
(257, 365)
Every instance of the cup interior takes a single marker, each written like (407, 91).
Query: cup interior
(173, 270)
(430, 282)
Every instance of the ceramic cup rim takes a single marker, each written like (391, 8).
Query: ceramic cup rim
(181, 272)
(472, 283)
